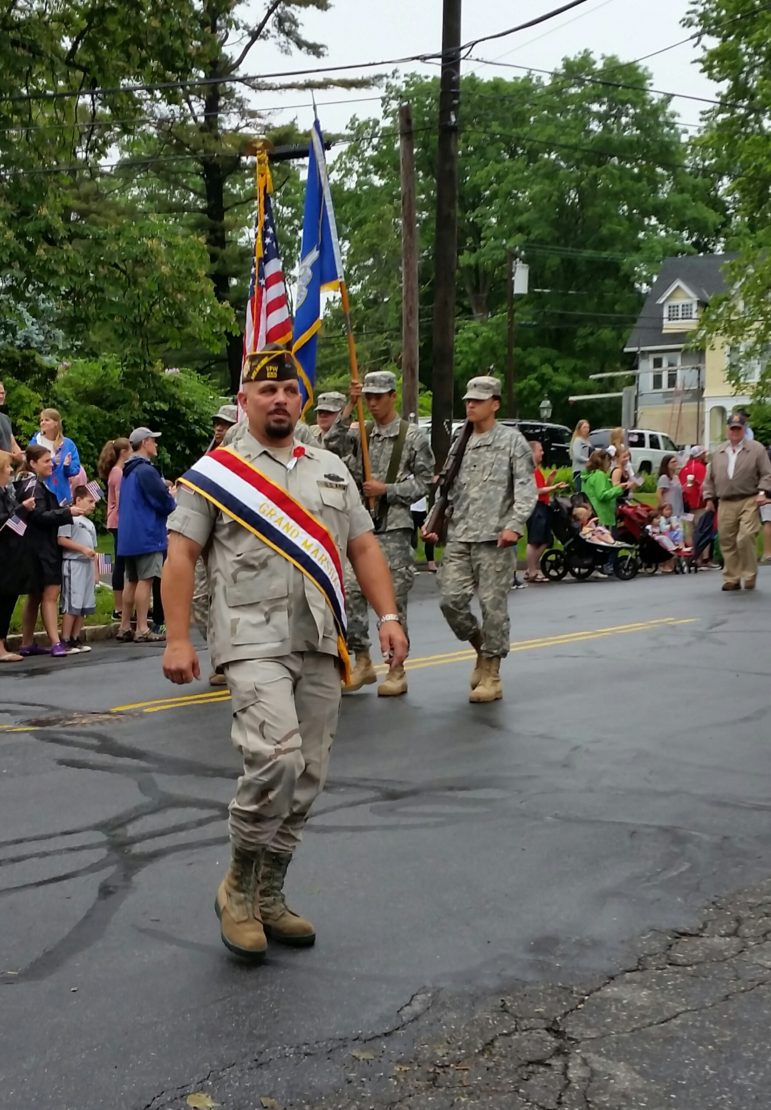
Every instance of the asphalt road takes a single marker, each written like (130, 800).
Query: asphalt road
(463, 862)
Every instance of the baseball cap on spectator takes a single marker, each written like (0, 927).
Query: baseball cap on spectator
(484, 388)
(736, 420)
(697, 451)
(139, 435)
(227, 414)
(330, 402)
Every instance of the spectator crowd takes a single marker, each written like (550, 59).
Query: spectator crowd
(49, 544)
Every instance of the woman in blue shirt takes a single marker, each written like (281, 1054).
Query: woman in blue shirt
(63, 452)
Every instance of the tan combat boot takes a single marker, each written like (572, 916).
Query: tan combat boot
(281, 923)
(238, 906)
(394, 683)
(363, 673)
(489, 687)
(476, 674)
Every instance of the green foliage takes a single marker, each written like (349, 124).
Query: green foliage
(760, 421)
(593, 183)
(736, 150)
(102, 399)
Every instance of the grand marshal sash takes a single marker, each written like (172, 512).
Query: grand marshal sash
(249, 497)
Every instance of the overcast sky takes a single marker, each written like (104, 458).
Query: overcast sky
(374, 30)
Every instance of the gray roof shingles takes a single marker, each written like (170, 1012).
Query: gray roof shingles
(702, 273)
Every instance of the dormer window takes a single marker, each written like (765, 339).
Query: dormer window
(680, 310)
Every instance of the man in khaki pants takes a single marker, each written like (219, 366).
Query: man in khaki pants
(740, 471)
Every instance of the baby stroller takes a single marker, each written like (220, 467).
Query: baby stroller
(634, 526)
(578, 556)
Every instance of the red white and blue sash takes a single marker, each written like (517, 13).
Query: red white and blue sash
(268, 511)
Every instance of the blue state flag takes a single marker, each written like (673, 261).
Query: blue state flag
(320, 264)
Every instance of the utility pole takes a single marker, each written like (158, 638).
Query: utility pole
(510, 325)
(410, 298)
(446, 242)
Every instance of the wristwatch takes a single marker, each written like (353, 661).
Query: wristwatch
(388, 617)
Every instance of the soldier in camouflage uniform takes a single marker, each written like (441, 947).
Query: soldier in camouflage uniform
(274, 633)
(394, 495)
(491, 499)
(328, 406)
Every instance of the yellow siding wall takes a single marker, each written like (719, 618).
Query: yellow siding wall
(679, 422)
(715, 363)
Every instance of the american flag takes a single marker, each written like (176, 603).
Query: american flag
(16, 524)
(103, 565)
(267, 310)
(95, 490)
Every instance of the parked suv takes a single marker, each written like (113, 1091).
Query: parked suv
(646, 447)
(554, 437)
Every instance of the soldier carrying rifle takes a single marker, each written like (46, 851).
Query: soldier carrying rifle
(486, 494)
(402, 470)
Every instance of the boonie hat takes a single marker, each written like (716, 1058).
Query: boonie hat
(226, 414)
(482, 389)
(379, 381)
(330, 402)
(736, 420)
(273, 364)
(697, 451)
(139, 435)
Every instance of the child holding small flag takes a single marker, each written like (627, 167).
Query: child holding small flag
(78, 542)
(44, 555)
(13, 562)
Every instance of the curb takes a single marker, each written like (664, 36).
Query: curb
(91, 633)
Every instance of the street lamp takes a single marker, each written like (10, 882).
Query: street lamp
(545, 408)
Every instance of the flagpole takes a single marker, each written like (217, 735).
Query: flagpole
(346, 304)
(354, 364)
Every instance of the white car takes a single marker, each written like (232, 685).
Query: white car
(647, 447)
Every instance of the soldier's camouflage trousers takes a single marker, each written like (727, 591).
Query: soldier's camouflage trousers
(484, 569)
(401, 560)
(201, 597)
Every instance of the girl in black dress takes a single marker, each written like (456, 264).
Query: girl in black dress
(44, 556)
(13, 556)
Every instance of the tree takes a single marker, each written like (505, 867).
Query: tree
(591, 181)
(735, 146)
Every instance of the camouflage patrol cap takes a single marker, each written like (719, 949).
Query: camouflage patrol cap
(226, 414)
(330, 402)
(273, 364)
(380, 381)
(483, 389)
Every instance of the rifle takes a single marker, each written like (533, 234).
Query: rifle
(436, 522)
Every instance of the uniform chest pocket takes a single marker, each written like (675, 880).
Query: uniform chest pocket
(332, 496)
(490, 464)
(257, 611)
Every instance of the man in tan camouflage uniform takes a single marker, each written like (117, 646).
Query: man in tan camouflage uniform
(274, 633)
(328, 406)
(394, 489)
(491, 499)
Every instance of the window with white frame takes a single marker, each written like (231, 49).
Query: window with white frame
(680, 310)
(665, 369)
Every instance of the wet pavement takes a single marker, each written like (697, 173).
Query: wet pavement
(557, 900)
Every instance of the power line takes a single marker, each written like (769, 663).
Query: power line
(229, 79)
(578, 78)
(91, 124)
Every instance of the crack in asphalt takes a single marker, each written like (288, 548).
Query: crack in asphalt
(538, 1047)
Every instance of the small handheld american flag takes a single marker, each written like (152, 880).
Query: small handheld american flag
(95, 490)
(16, 524)
(104, 565)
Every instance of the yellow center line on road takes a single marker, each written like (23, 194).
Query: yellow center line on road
(182, 701)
